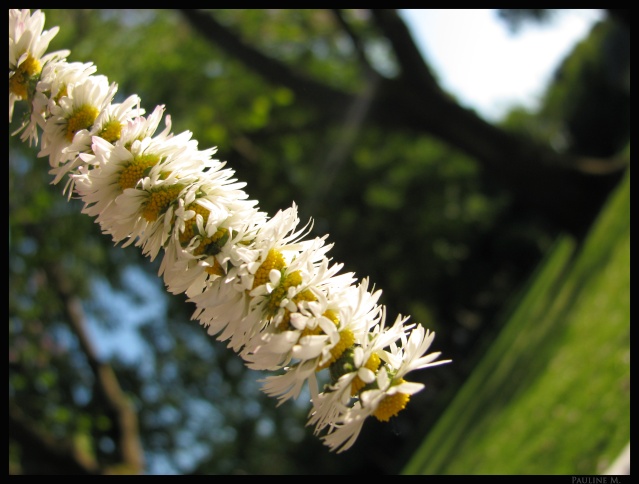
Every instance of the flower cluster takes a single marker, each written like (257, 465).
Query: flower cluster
(259, 283)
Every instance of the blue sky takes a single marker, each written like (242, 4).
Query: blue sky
(489, 69)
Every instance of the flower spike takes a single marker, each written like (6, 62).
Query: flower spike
(258, 283)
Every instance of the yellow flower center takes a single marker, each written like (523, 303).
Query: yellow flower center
(19, 82)
(291, 280)
(111, 131)
(372, 364)
(61, 93)
(346, 340)
(274, 260)
(136, 169)
(159, 201)
(190, 228)
(208, 245)
(216, 269)
(391, 405)
(213, 244)
(82, 118)
(330, 314)
(311, 331)
(305, 295)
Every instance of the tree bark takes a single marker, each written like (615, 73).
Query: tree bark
(109, 390)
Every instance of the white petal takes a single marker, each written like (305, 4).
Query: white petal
(274, 276)
(366, 375)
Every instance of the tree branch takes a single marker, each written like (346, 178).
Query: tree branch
(129, 438)
(573, 186)
(270, 69)
(360, 52)
(414, 69)
(61, 453)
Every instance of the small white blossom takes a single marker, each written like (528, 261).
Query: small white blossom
(27, 66)
(75, 111)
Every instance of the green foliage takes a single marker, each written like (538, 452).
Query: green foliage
(590, 88)
(593, 85)
(552, 393)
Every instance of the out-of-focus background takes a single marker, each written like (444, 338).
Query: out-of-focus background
(476, 171)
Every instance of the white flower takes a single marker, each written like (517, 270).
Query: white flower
(390, 392)
(297, 306)
(352, 373)
(59, 74)
(55, 76)
(108, 125)
(220, 308)
(26, 36)
(27, 44)
(279, 233)
(256, 268)
(131, 189)
(75, 111)
(320, 333)
(114, 166)
(144, 214)
(409, 355)
(344, 433)
(289, 384)
(210, 190)
(191, 263)
(98, 180)
(141, 128)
